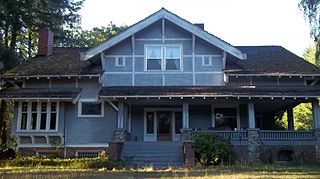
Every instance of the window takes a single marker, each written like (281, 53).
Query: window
(90, 108)
(206, 61)
(150, 122)
(154, 58)
(88, 154)
(120, 61)
(166, 57)
(172, 59)
(38, 116)
(225, 118)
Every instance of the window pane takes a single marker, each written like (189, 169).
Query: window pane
(173, 64)
(33, 121)
(178, 122)
(23, 121)
(207, 61)
(226, 118)
(173, 52)
(34, 106)
(54, 106)
(150, 123)
(91, 108)
(24, 106)
(43, 121)
(154, 52)
(53, 121)
(154, 64)
(43, 107)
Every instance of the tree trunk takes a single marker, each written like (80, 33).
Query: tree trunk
(3, 131)
(29, 43)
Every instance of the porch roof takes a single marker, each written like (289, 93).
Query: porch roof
(41, 93)
(208, 91)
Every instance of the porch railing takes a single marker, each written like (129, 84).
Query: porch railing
(276, 135)
(235, 135)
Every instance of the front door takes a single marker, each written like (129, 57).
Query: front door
(164, 125)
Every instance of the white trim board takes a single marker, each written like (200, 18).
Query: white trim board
(163, 13)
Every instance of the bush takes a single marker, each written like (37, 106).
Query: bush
(211, 149)
(74, 163)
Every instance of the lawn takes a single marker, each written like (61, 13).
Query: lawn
(236, 171)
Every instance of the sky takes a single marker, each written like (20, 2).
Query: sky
(238, 22)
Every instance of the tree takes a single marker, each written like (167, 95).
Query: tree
(311, 9)
(91, 38)
(20, 21)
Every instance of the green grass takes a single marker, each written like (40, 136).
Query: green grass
(229, 172)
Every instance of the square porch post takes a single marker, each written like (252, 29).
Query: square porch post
(254, 141)
(120, 133)
(185, 122)
(316, 126)
(290, 119)
(251, 116)
(315, 114)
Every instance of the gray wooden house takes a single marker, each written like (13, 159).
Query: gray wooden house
(142, 93)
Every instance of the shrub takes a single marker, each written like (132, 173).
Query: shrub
(211, 149)
(74, 163)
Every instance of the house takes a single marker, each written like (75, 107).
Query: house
(142, 94)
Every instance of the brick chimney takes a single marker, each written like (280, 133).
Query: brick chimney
(45, 44)
(200, 25)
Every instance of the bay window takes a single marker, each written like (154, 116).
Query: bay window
(163, 58)
(38, 116)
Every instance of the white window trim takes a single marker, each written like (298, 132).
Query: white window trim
(210, 61)
(123, 61)
(28, 129)
(90, 100)
(163, 56)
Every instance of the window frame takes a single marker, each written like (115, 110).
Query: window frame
(123, 61)
(210, 61)
(29, 115)
(90, 100)
(163, 57)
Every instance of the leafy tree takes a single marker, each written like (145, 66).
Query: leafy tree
(91, 38)
(311, 9)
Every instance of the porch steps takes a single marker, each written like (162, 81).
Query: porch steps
(155, 154)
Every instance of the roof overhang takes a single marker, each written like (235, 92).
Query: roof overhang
(41, 94)
(163, 13)
(207, 92)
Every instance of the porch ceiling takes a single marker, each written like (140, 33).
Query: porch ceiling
(41, 93)
(208, 91)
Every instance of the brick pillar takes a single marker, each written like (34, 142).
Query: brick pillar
(188, 150)
(317, 142)
(120, 135)
(254, 143)
(186, 135)
(189, 155)
(115, 149)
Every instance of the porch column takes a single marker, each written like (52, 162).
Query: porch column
(120, 115)
(185, 122)
(316, 126)
(251, 116)
(290, 119)
(315, 114)
(120, 134)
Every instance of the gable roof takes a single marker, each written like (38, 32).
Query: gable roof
(163, 13)
(64, 61)
(269, 60)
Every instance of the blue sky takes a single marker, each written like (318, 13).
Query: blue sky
(245, 22)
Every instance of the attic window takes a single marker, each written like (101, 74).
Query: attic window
(120, 61)
(163, 57)
(206, 61)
